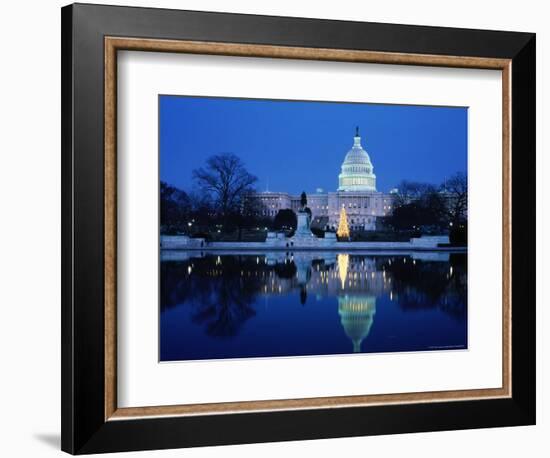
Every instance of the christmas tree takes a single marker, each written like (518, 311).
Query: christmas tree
(343, 229)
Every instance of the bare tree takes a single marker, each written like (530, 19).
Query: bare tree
(410, 191)
(226, 179)
(175, 209)
(456, 191)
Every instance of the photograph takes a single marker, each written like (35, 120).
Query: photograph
(300, 228)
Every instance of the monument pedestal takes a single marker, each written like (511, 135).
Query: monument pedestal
(302, 229)
(303, 235)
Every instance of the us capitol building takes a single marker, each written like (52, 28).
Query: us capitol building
(356, 192)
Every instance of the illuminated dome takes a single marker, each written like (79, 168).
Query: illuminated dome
(357, 170)
(356, 316)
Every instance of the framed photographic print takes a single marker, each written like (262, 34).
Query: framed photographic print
(282, 228)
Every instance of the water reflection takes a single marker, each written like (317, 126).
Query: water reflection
(356, 315)
(306, 303)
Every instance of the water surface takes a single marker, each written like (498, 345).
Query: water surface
(310, 303)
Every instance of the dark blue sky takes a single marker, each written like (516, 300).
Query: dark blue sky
(296, 146)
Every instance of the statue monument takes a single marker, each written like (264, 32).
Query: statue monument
(303, 235)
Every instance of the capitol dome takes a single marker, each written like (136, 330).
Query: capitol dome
(357, 170)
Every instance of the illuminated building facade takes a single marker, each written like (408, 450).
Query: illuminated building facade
(356, 192)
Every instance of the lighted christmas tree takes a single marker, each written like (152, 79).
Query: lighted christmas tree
(343, 228)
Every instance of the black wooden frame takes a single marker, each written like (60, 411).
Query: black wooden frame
(84, 429)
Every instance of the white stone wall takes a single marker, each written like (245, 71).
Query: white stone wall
(318, 204)
(272, 202)
(362, 207)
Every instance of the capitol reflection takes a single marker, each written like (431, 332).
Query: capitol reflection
(294, 297)
(356, 315)
(355, 282)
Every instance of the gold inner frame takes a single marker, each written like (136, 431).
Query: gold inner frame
(114, 44)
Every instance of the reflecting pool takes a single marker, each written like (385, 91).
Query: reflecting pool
(310, 303)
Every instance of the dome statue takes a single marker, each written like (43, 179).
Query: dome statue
(356, 316)
(357, 170)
